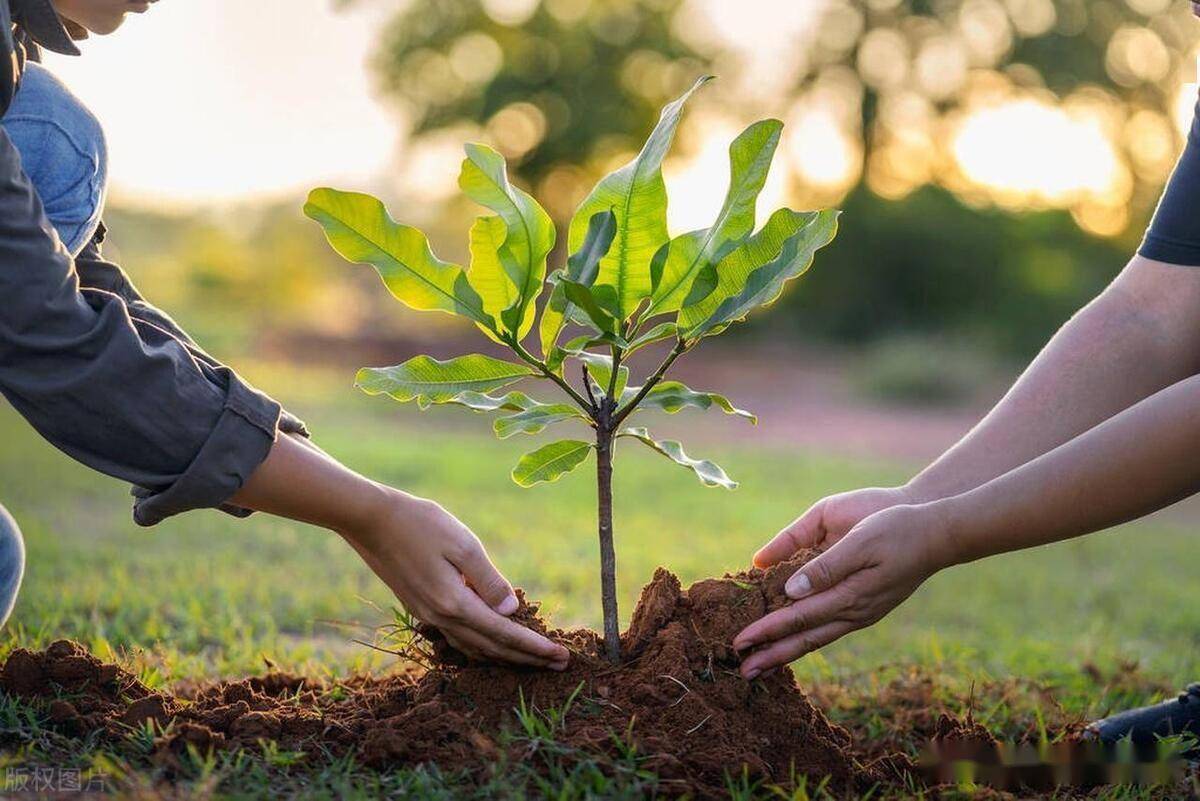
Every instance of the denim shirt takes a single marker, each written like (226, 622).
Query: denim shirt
(62, 151)
(102, 374)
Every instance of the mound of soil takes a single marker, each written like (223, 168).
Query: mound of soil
(677, 695)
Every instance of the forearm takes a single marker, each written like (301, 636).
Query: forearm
(1136, 338)
(1139, 461)
(300, 482)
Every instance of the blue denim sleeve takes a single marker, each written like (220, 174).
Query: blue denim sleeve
(63, 153)
(116, 393)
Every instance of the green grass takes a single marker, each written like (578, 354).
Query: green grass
(206, 594)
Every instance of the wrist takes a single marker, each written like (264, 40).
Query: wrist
(943, 533)
(374, 510)
(921, 490)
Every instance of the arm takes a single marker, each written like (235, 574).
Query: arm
(418, 549)
(1130, 465)
(1140, 335)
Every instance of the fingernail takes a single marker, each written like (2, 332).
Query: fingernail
(508, 606)
(798, 586)
(754, 674)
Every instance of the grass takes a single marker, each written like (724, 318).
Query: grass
(206, 594)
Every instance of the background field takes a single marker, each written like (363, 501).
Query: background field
(206, 595)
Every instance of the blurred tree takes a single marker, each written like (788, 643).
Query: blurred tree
(564, 83)
(994, 279)
(562, 86)
(547, 79)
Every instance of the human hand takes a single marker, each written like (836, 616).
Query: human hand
(863, 576)
(828, 520)
(439, 570)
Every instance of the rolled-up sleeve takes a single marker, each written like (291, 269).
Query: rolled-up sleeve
(115, 392)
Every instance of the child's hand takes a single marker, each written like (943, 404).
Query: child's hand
(441, 573)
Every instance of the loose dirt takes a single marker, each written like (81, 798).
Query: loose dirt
(677, 696)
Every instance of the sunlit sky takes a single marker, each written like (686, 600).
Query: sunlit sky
(209, 101)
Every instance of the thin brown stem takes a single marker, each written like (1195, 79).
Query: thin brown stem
(525, 355)
(612, 381)
(679, 349)
(608, 556)
(587, 385)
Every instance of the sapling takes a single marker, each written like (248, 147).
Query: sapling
(626, 284)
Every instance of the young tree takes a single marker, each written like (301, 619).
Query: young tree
(627, 284)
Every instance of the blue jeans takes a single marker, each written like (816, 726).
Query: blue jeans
(12, 563)
(62, 151)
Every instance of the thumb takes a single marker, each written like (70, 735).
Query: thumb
(487, 581)
(830, 568)
(803, 532)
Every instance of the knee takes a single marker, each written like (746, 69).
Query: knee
(12, 562)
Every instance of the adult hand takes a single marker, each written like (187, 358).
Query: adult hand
(439, 570)
(828, 520)
(862, 577)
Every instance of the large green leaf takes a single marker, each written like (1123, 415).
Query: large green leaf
(428, 381)
(359, 228)
(534, 419)
(550, 462)
(582, 268)
(638, 197)
(709, 473)
(530, 231)
(754, 274)
(689, 266)
(488, 276)
(673, 396)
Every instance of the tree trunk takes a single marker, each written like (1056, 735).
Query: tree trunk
(608, 556)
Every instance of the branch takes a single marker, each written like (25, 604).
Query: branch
(612, 380)
(525, 355)
(587, 384)
(677, 351)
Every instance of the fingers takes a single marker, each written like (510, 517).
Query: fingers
(498, 637)
(478, 646)
(804, 532)
(793, 647)
(809, 613)
(485, 579)
(826, 570)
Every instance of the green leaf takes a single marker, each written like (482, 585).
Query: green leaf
(487, 275)
(710, 474)
(530, 231)
(480, 402)
(688, 271)
(637, 196)
(359, 228)
(657, 333)
(428, 381)
(593, 302)
(754, 274)
(550, 462)
(672, 396)
(582, 267)
(534, 419)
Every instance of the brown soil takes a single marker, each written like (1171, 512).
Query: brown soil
(678, 696)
